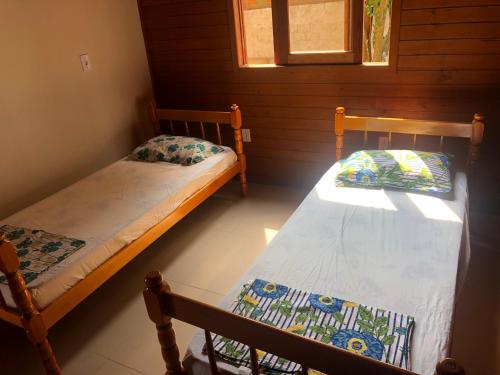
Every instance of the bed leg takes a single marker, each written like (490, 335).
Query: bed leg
(238, 143)
(449, 366)
(243, 175)
(31, 318)
(166, 334)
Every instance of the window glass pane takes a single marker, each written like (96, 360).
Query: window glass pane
(258, 33)
(316, 25)
(377, 31)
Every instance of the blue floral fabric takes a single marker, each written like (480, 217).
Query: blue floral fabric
(372, 332)
(325, 303)
(270, 290)
(175, 149)
(38, 250)
(397, 169)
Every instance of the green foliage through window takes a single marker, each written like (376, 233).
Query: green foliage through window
(377, 30)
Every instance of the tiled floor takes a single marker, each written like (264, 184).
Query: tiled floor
(202, 257)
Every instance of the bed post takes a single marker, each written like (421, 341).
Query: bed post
(153, 116)
(339, 132)
(449, 366)
(166, 334)
(236, 125)
(30, 317)
(476, 139)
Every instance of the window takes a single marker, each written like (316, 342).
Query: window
(313, 31)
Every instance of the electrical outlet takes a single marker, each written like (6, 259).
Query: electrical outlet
(383, 143)
(85, 61)
(246, 135)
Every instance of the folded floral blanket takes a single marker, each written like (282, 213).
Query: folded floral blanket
(364, 330)
(38, 250)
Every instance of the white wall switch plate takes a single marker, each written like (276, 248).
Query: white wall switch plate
(246, 135)
(383, 143)
(85, 61)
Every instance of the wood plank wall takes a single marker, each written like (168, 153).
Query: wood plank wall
(447, 67)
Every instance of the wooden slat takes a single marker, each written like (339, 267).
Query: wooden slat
(324, 104)
(452, 14)
(438, 62)
(451, 31)
(254, 362)
(203, 32)
(195, 116)
(189, 44)
(343, 90)
(211, 353)
(174, 22)
(425, 4)
(327, 358)
(202, 129)
(219, 137)
(449, 47)
(171, 8)
(404, 126)
(332, 74)
(158, 57)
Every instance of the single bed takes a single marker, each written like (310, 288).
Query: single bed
(399, 251)
(118, 211)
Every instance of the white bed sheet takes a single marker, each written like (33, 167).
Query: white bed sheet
(109, 209)
(394, 250)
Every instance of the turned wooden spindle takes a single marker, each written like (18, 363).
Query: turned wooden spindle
(449, 366)
(166, 335)
(153, 117)
(339, 132)
(30, 317)
(236, 125)
(475, 140)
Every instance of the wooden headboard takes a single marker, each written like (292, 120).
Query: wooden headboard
(473, 131)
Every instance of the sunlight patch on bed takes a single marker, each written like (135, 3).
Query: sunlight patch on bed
(327, 191)
(270, 233)
(433, 208)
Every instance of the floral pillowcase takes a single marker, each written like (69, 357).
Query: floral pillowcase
(175, 149)
(415, 171)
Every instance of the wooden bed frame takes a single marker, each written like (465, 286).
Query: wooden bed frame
(36, 321)
(163, 305)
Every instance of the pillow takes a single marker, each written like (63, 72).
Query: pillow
(397, 169)
(175, 149)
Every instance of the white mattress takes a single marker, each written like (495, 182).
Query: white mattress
(109, 209)
(388, 249)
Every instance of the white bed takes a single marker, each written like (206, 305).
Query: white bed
(404, 252)
(109, 209)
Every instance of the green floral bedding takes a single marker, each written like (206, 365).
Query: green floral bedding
(372, 332)
(175, 149)
(38, 250)
(397, 169)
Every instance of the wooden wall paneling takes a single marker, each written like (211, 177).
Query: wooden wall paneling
(445, 65)
(436, 4)
(454, 14)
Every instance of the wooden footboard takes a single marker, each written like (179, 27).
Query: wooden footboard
(163, 306)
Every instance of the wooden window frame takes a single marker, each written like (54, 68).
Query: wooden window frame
(240, 62)
(353, 37)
